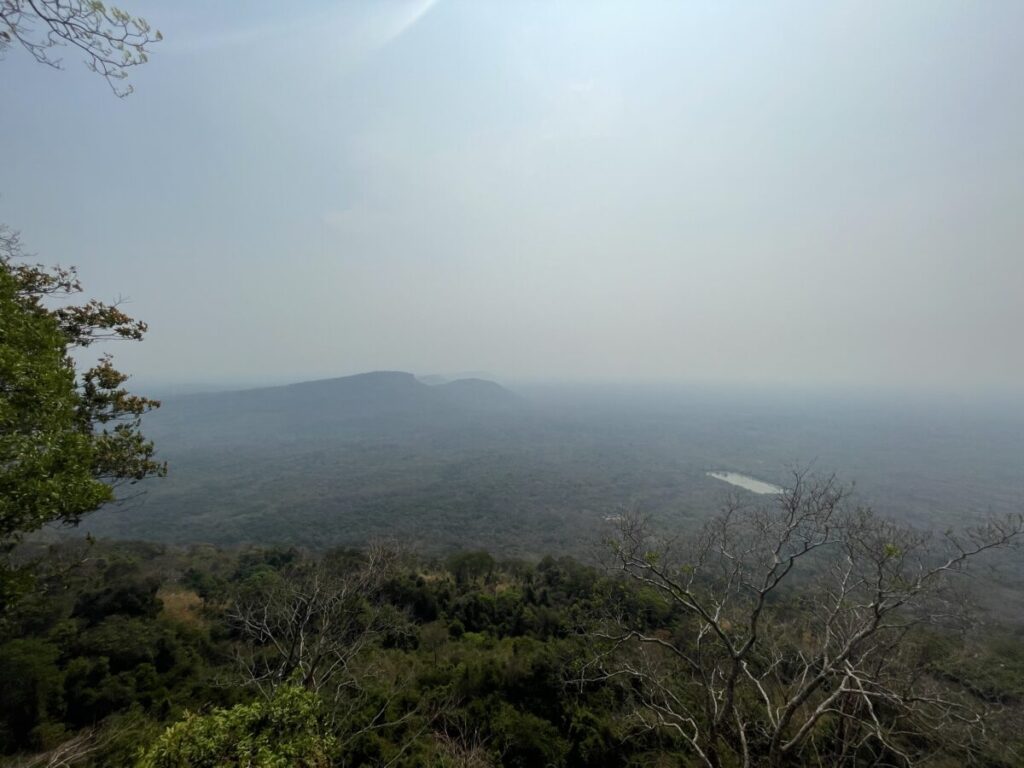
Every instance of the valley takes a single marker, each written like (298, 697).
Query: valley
(472, 464)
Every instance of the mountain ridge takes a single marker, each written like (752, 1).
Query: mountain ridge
(393, 380)
(323, 405)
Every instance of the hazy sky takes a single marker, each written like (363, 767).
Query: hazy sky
(796, 193)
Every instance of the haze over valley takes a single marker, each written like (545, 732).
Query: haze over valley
(528, 471)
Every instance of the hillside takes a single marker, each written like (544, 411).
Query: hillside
(343, 404)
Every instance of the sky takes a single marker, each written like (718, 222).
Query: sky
(788, 193)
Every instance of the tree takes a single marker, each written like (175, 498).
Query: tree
(112, 40)
(285, 730)
(38, 693)
(66, 440)
(307, 624)
(756, 673)
(315, 626)
(462, 751)
(469, 566)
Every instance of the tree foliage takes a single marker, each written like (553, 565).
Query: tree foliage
(285, 731)
(67, 438)
(112, 40)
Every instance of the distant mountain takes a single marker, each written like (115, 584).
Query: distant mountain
(476, 393)
(384, 390)
(444, 378)
(365, 394)
(366, 401)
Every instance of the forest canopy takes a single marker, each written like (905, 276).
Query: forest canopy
(157, 655)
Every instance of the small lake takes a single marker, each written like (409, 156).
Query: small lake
(751, 484)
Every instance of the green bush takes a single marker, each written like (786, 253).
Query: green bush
(284, 732)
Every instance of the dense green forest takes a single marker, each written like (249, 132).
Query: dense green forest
(155, 655)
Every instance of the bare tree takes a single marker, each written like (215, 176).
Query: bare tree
(308, 624)
(111, 39)
(462, 748)
(763, 668)
(315, 625)
(79, 749)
